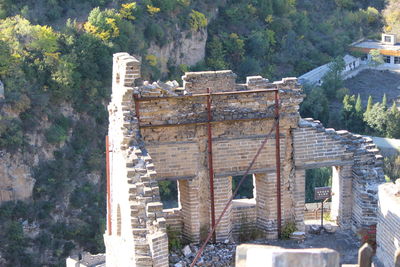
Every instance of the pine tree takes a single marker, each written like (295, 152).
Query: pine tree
(358, 122)
(384, 101)
(394, 108)
(393, 122)
(358, 105)
(369, 105)
(347, 113)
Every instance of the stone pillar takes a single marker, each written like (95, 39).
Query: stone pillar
(190, 203)
(341, 208)
(266, 207)
(299, 198)
(335, 203)
(222, 193)
(397, 258)
(365, 254)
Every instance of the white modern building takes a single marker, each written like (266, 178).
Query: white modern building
(315, 76)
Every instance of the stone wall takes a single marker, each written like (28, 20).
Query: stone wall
(244, 218)
(173, 127)
(388, 234)
(174, 221)
(137, 236)
(159, 132)
(357, 173)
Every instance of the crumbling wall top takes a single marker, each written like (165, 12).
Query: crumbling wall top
(217, 81)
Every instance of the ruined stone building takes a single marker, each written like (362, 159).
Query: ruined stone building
(161, 133)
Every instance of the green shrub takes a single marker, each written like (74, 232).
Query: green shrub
(174, 240)
(11, 135)
(288, 229)
(197, 20)
(56, 134)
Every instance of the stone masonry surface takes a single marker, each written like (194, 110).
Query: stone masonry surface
(158, 132)
(388, 234)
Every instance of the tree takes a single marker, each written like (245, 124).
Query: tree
(126, 11)
(332, 80)
(358, 107)
(348, 112)
(102, 24)
(369, 104)
(376, 57)
(235, 48)
(216, 54)
(393, 122)
(315, 105)
(345, 4)
(197, 20)
(376, 118)
(384, 101)
(358, 123)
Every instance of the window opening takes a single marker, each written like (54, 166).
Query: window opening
(169, 194)
(246, 190)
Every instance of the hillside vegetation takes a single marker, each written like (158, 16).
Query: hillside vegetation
(58, 53)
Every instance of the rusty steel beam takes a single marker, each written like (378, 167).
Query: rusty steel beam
(278, 165)
(210, 161)
(149, 98)
(200, 251)
(109, 226)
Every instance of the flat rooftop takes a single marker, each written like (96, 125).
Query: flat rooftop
(371, 44)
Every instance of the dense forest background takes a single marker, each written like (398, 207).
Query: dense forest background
(57, 55)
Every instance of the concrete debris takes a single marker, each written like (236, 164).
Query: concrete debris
(214, 255)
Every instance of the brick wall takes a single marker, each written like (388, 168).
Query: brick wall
(357, 174)
(198, 82)
(168, 158)
(174, 220)
(244, 217)
(161, 133)
(137, 233)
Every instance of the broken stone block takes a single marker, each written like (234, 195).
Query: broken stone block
(298, 235)
(329, 228)
(187, 251)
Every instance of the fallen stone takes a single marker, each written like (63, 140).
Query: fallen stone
(298, 235)
(187, 251)
(179, 264)
(315, 229)
(329, 228)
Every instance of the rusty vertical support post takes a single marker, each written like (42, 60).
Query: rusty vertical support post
(108, 186)
(210, 162)
(278, 164)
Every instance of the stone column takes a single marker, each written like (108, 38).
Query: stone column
(190, 203)
(266, 207)
(299, 198)
(222, 193)
(342, 195)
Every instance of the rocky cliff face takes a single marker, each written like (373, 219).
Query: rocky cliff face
(16, 182)
(188, 48)
(16, 167)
